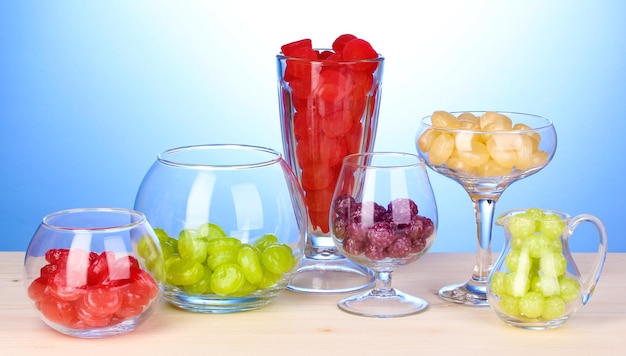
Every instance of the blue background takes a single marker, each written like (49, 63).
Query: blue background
(92, 91)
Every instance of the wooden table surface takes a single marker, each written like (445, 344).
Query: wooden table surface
(311, 324)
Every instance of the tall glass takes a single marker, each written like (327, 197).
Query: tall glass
(328, 109)
(484, 152)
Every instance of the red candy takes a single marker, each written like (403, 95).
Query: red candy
(329, 101)
(341, 41)
(82, 290)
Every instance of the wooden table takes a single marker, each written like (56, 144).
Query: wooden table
(311, 324)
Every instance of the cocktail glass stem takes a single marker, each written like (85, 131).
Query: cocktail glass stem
(474, 291)
(485, 209)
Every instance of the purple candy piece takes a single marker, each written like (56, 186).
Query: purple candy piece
(381, 234)
(401, 247)
(343, 204)
(353, 246)
(374, 252)
(402, 210)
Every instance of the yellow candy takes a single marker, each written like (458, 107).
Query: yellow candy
(476, 156)
(444, 120)
(426, 139)
(493, 121)
(502, 149)
(539, 158)
(468, 117)
(523, 127)
(525, 152)
(457, 164)
(492, 168)
(441, 149)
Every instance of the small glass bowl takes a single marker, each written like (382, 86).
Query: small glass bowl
(94, 272)
(231, 222)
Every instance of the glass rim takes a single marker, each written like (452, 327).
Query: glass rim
(378, 59)
(517, 211)
(547, 123)
(275, 156)
(349, 160)
(140, 219)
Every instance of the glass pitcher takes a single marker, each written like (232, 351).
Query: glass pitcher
(535, 283)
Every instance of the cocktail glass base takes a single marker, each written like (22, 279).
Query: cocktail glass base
(468, 293)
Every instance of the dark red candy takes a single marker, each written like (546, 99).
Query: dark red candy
(381, 234)
(402, 210)
(418, 245)
(374, 252)
(401, 247)
(415, 229)
(429, 227)
(340, 227)
(357, 231)
(353, 246)
(341, 41)
(343, 203)
(368, 213)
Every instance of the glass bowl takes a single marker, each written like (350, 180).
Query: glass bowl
(231, 222)
(94, 272)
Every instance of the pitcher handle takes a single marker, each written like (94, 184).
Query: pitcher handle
(591, 279)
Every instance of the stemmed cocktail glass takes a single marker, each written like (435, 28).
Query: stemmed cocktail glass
(484, 152)
(383, 216)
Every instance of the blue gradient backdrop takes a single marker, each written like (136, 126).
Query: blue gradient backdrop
(92, 91)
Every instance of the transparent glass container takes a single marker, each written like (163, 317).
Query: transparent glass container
(383, 216)
(94, 272)
(328, 109)
(231, 223)
(536, 283)
(485, 152)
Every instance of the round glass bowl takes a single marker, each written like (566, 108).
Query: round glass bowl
(231, 222)
(94, 272)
